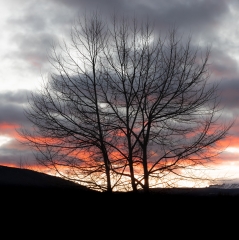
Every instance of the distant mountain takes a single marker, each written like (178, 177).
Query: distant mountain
(17, 177)
(23, 178)
(213, 190)
(225, 186)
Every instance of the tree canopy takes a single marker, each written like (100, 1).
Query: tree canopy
(125, 107)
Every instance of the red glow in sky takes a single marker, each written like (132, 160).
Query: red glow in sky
(28, 34)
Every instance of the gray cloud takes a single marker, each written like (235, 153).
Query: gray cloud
(230, 94)
(38, 25)
(11, 154)
(16, 97)
(185, 13)
(32, 49)
(11, 107)
(12, 118)
(33, 27)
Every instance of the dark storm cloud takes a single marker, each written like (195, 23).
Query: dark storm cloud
(38, 25)
(184, 13)
(193, 14)
(230, 94)
(10, 154)
(103, 5)
(11, 107)
(16, 97)
(11, 113)
(224, 70)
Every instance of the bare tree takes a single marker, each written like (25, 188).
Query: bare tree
(124, 107)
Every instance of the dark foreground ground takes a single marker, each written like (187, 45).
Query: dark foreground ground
(26, 187)
(23, 187)
(32, 202)
(23, 181)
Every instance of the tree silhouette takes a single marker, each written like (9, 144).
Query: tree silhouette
(124, 107)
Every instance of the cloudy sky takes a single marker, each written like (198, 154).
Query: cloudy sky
(29, 27)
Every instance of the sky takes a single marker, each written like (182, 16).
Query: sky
(29, 27)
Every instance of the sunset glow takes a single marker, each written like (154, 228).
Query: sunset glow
(28, 30)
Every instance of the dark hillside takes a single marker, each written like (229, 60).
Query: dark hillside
(17, 177)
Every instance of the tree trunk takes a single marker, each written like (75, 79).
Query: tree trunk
(134, 187)
(145, 168)
(109, 188)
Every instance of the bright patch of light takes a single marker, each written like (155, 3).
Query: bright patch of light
(103, 105)
(4, 140)
(232, 150)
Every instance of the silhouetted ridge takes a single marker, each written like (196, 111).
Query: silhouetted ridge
(17, 177)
